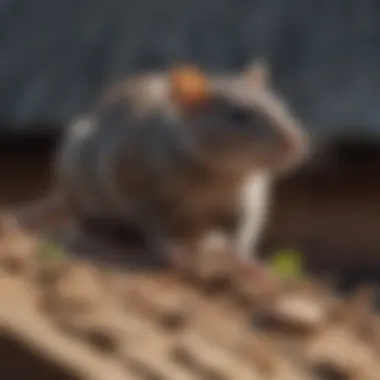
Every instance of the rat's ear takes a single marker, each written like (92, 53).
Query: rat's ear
(190, 88)
(258, 72)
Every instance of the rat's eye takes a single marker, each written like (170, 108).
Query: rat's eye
(238, 115)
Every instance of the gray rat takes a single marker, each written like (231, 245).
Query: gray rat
(181, 153)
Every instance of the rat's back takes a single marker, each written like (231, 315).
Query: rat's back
(123, 150)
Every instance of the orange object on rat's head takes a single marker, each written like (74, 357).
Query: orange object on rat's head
(190, 87)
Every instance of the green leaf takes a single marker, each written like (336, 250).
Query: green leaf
(50, 251)
(287, 263)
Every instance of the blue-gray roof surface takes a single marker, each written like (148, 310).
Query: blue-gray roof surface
(325, 55)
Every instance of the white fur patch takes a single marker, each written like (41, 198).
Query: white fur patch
(159, 94)
(158, 88)
(77, 132)
(81, 127)
(69, 173)
(255, 197)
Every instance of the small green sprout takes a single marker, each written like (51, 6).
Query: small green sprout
(51, 251)
(287, 263)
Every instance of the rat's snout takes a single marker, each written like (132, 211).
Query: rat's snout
(293, 145)
(281, 140)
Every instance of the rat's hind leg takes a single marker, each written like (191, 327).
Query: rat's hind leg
(82, 244)
(116, 229)
(124, 239)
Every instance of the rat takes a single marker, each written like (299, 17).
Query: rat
(188, 156)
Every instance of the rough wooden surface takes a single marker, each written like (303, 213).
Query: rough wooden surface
(90, 322)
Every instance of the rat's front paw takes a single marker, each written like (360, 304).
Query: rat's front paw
(206, 259)
(215, 256)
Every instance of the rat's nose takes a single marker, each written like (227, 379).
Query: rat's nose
(296, 146)
(292, 144)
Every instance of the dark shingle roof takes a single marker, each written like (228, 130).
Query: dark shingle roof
(57, 55)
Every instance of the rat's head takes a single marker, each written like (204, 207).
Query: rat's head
(237, 117)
